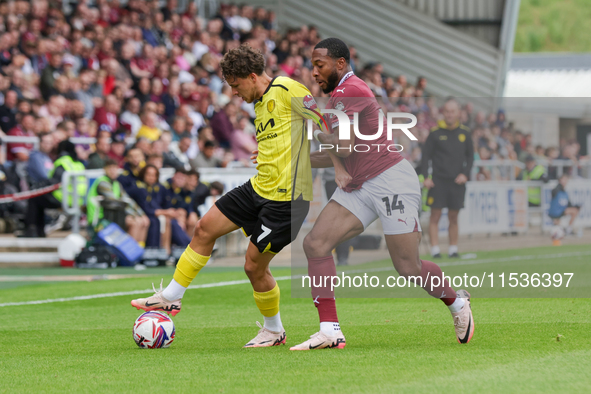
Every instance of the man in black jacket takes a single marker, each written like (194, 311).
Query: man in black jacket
(8, 111)
(451, 153)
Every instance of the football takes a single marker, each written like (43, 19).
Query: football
(557, 233)
(153, 330)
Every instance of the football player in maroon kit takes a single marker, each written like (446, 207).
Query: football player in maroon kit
(383, 185)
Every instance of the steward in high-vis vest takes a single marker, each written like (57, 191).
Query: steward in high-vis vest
(67, 162)
(108, 187)
(533, 172)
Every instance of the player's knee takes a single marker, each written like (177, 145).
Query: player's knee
(407, 267)
(314, 246)
(252, 269)
(200, 232)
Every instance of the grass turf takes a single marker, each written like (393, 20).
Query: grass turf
(553, 26)
(403, 345)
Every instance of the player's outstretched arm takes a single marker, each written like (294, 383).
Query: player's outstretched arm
(342, 177)
(331, 143)
(321, 160)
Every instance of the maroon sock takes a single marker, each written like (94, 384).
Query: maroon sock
(318, 269)
(444, 290)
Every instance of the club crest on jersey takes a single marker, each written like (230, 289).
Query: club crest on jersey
(462, 137)
(309, 102)
(340, 106)
(271, 105)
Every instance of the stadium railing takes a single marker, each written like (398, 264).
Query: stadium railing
(582, 168)
(509, 165)
(229, 178)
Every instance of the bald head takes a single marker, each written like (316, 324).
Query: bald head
(451, 112)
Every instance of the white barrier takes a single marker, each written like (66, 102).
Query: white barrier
(494, 207)
(230, 178)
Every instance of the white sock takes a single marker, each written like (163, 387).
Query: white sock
(457, 305)
(435, 250)
(452, 249)
(173, 291)
(273, 323)
(330, 328)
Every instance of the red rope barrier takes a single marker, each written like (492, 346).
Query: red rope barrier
(7, 198)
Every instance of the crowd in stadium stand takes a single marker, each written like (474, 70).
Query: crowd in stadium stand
(151, 75)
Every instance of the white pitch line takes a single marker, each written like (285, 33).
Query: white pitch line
(124, 293)
(245, 281)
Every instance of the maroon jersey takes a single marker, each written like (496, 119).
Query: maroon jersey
(102, 117)
(16, 147)
(354, 96)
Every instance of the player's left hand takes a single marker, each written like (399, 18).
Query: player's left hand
(461, 179)
(342, 178)
(253, 158)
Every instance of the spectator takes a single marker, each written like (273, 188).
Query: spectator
(242, 143)
(108, 187)
(134, 162)
(67, 161)
(178, 150)
(199, 192)
(560, 205)
(144, 144)
(216, 190)
(50, 73)
(179, 127)
(107, 114)
(101, 155)
(149, 129)
(131, 116)
(151, 197)
(143, 93)
(40, 162)
(180, 199)
(533, 172)
(156, 160)
(8, 111)
(19, 151)
(206, 158)
(117, 151)
(171, 99)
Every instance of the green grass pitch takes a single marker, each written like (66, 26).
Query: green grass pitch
(393, 345)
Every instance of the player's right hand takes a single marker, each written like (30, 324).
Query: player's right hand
(255, 153)
(428, 183)
(342, 178)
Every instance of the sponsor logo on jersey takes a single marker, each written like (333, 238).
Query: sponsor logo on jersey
(262, 128)
(267, 137)
(309, 102)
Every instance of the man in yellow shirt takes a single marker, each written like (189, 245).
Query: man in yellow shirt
(271, 206)
(149, 129)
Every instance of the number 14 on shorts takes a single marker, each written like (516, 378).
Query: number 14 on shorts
(395, 205)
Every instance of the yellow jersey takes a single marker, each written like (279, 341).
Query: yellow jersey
(284, 168)
(150, 133)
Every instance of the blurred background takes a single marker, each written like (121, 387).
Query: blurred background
(136, 85)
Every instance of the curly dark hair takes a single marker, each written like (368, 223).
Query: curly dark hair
(336, 48)
(242, 61)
